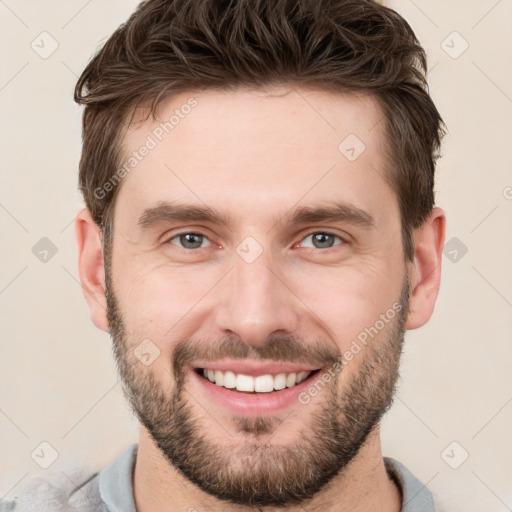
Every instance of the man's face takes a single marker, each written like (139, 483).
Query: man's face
(265, 291)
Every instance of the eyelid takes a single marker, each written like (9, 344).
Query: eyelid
(183, 230)
(167, 238)
(324, 232)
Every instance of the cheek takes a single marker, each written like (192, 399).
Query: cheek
(156, 297)
(348, 300)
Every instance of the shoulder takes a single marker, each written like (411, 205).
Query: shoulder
(416, 497)
(57, 493)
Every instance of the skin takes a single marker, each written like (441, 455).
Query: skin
(255, 155)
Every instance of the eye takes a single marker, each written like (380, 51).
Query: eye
(189, 240)
(322, 240)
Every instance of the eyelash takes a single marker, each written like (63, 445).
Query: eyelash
(177, 235)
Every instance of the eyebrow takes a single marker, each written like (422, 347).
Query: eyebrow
(332, 212)
(168, 212)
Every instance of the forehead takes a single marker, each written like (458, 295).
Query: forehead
(274, 116)
(257, 150)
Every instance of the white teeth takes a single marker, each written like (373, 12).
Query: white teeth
(229, 380)
(264, 384)
(291, 379)
(260, 384)
(244, 383)
(300, 377)
(219, 378)
(280, 381)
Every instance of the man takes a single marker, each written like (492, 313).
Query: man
(259, 233)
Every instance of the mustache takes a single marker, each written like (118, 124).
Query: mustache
(283, 348)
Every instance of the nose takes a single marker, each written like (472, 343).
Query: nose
(257, 302)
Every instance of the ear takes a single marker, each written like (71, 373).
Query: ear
(91, 268)
(425, 270)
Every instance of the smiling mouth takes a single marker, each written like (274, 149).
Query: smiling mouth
(266, 383)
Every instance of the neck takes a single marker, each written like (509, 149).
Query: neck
(363, 485)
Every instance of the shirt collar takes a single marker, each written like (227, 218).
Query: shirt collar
(116, 484)
(415, 496)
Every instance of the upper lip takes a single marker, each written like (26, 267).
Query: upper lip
(254, 368)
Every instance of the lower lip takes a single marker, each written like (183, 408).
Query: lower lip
(253, 404)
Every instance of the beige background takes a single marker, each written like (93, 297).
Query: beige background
(58, 378)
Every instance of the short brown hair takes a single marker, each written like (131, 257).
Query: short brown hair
(170, 46)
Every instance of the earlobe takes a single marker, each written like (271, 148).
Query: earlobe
(425, 270)
(91, 267)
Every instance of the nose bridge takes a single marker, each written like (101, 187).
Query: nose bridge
(258, 303)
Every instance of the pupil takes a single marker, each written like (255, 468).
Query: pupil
(321, 239)
(188, 240)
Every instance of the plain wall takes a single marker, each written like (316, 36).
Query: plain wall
(58, 378)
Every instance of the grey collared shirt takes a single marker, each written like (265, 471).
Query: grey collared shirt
(111, 490)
